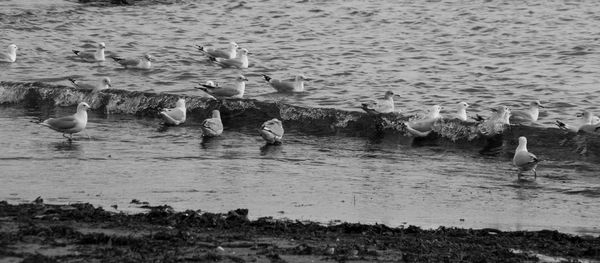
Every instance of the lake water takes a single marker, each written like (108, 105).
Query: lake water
(485, 53)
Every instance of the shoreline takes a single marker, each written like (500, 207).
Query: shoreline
(38, 232)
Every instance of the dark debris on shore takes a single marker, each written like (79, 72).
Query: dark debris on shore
(39, 232)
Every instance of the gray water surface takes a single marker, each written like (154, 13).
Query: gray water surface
(430, 52)
(388, 181)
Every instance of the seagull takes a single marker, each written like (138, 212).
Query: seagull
(229, 54)
(240, 62)
(588, 123)
(92, 56)
(104, 84)
(272, 131)
(237, 92)
(287, 86)
(524, 160)
(213, 126)
(382, 106)
(422, 127)
(69, 124)
(11, 55)
(175, 116)
(529, 115)
(496, 123)
(461, 114)
(138, 63)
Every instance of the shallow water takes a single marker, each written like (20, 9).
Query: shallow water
(309, 177)
(486, 53)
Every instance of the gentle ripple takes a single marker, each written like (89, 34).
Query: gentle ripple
(442, 52)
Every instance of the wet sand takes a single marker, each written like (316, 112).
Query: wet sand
(38, 232)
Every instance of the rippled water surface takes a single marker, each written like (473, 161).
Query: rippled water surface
(484, 52)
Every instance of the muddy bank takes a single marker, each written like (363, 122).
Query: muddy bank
(39, 232)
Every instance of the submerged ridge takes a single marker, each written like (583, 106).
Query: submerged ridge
(313, 121)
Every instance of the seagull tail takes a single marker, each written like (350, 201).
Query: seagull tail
(117, 59)
(201, 48)
(561, 124)
(203, 89)
(267, 78)
(76, 52)
(72, 80)
(211, 58)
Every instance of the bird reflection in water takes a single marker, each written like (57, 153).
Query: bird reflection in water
(270, 150)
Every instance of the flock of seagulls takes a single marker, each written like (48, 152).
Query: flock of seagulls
(272, 130)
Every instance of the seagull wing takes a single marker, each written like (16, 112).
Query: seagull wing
(62, 123)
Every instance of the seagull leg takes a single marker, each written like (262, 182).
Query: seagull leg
(534, 173)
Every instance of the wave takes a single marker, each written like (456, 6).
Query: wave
(551, 142)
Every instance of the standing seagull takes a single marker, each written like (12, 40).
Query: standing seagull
(11, 55)
(213, 126)
(104, 84)
(272, 131)
(240, 62)
(69, 124)
(216, 53)
(175, 116)
(137, 63)
(382, 106)
(461, 114)
(287, 86)
(92, 56)
(237, 92)
(529, 115)
(524, 160)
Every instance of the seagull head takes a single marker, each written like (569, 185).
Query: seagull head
(233, 45)
(462, 105)
(244, 51)
(12, 48)
(536, 103)
(148, 57)
(101, 45)
(389, 94)
(82, 106)
(180, 103)
(522, 140)
(302, 78)
(241, 78)
(106, 81)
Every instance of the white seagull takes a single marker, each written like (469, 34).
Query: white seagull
(175, 116)
(422, 127)
(217, 53)
(588, 123)
(297, 85)
(213, 126)
(236, 92)
(104, 84)
(528, 115)
(524, 160)
(272, 131)
(69, 124)
(143, 62)
(240, 62)
(92, 56)
(10, 55)
(381, 106)
(461, 113)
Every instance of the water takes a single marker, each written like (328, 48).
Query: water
(486, 53)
